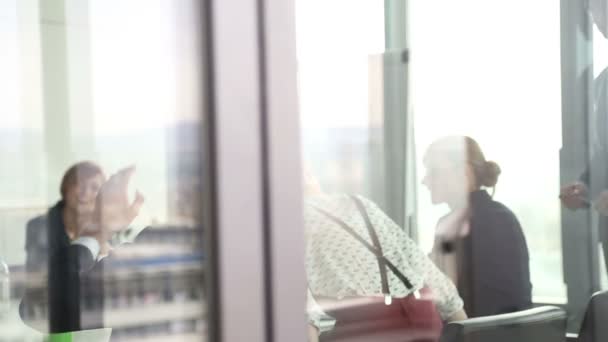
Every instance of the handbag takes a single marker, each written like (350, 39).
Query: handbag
(375, 318)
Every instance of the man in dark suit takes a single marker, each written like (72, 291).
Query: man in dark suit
(75, 268)
(591, 189)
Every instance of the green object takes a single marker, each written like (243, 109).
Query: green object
(60, 337)
(93, 335)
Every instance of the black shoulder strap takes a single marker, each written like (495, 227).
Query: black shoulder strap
(367, 245)
(372, 233)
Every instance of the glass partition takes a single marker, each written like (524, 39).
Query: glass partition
(102, 110)
(498, 83)
(432, 142)
(597, 122)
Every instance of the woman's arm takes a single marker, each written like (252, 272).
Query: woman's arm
(446, 296)
(313, 333)
(457, 316)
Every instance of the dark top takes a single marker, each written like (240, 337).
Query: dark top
(44, 234)
(493, 261)
(595, 176)
(75, 284)
(75, 290)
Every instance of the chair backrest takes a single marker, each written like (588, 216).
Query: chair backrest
(546, 323)
(595, 323)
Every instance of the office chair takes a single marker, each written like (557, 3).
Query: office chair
(595, 322)
(546, 323)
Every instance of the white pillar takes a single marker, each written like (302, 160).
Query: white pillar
(66, 87)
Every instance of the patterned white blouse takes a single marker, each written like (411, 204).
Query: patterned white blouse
(339, 266)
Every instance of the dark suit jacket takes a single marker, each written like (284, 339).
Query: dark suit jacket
(75, 293)
(493, 261)
(75, 290)
(595, 176)
(44, 234)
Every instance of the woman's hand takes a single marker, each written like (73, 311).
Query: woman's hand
(113, 212)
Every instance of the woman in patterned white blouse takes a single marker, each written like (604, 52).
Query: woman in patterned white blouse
(341, 269)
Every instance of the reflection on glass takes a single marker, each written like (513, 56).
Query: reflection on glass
(367, 280)
(341, 153)
(101, 148)
(349, 84)
(366, 276)
(479, 243)
(504, 99)
(334, 74)
(595, 172)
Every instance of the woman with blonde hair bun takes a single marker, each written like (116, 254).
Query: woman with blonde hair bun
(479, 243)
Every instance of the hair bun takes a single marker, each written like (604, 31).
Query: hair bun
(490, 174)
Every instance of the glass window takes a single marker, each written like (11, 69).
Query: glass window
(446, 126)
(335, 71)
(600, 65)
(102, 170)
(351, 114)
(497, 83)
